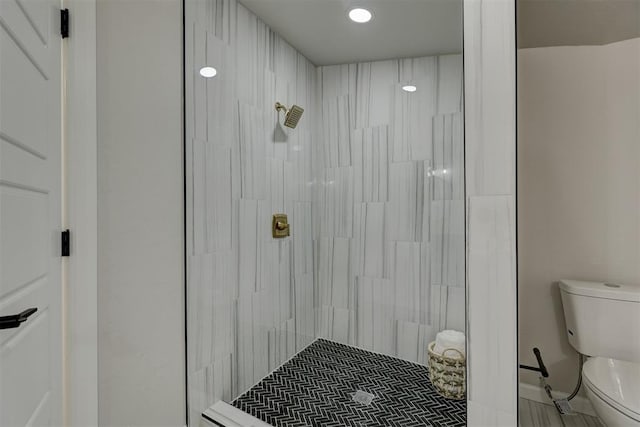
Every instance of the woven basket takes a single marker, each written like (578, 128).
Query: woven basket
(448, 375)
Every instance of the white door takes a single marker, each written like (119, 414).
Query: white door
(30, 180)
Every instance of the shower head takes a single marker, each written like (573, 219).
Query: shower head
(292, 115)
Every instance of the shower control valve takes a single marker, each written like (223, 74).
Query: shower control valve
(280, 226)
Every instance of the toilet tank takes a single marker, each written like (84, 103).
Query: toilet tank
(602, 319)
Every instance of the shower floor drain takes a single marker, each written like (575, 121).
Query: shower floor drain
(362, 397)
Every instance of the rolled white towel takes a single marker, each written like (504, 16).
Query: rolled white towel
(450, 339)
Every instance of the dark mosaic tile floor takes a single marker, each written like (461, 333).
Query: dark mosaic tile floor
(316, 388)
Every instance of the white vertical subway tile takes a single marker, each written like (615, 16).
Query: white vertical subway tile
(301, 230)
(371, 164)
(336, 199)
(340, 330)
(260, 336)
(340, 273)
(412, 70)
(272, 356)
(456, 308)
(450, 81)
(447, 171)
(408, 340)
(218, 198)
(369, 236)
(219, 15)
(250, 248)
(245, 341)
(337, 122)
(406, 201)
(252, 152)
(435, 306)
(199, 197)
(411, 296)
(338, 80)
(275, 184)
(304, 319)
(374, 85)
(447, 242)
(199, 98)
(490, 98)
(300, 159)
(492, 277)
(333, 271)
(221, 119)
(375, 314)
(410, 124)
(479, 415)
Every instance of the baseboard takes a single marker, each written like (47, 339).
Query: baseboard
(537, 394)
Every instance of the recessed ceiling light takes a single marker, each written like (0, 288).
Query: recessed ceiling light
(409, 88)
(360, 15)
(208, 72)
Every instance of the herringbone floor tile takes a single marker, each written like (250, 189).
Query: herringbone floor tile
(315, 389)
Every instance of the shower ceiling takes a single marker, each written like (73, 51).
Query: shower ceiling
(323, 32)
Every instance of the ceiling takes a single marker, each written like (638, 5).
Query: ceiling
(322, 31)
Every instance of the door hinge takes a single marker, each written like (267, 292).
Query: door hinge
(64, 23)
(66, 243)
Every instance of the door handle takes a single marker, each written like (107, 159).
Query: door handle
(14, 321)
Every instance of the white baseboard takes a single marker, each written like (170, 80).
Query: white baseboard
(537, 394)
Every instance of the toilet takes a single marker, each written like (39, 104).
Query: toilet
(603, 323)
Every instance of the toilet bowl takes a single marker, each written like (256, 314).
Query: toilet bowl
(603, 321)
(613, 387)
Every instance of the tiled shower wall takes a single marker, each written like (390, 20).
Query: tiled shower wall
(250, 297)
(389, 228)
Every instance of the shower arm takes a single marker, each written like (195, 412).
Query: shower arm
(280, 107)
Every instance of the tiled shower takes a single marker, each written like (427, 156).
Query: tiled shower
(372, 180)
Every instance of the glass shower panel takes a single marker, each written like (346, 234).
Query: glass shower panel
(249, 296)
(390, 196)
(371, 179)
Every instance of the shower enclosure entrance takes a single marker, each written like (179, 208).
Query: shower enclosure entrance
(354, 131)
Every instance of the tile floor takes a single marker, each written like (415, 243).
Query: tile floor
(330, 384)
(536, 414)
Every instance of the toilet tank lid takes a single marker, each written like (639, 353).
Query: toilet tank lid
(602, 290)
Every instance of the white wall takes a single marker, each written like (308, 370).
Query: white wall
(140, 213)
(578, 188)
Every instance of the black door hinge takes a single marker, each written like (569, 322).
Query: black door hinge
(64, 23)
(66, 243)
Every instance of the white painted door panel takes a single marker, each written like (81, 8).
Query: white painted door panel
(30, 179)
